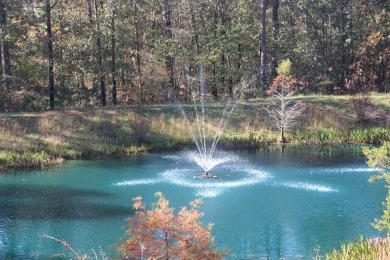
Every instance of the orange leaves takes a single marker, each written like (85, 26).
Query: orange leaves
(138, 205)
(285, 83)
(196, 203)
(374, 38)
(159, 233)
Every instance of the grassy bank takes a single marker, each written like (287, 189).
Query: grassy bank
(98, 132)
(368, 249)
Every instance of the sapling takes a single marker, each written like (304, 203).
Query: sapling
(284, 111)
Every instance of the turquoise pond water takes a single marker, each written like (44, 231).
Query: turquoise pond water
(266, 204)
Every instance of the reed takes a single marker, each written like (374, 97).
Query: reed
(368, 249)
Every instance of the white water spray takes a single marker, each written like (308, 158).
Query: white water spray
(206, 149)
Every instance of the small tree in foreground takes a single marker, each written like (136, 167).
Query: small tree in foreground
(380, 158)
(160, 234)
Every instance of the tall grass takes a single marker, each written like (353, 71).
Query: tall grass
(371, 249)
(374, 135)
(26, 159)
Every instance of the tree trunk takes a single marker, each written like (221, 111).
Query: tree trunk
(282, 138)
(214, 90)
(263, 44)
(99, 56)
(345, 24)
(222, 32)
(194, 28)
(89, 9)
(113, 58)
(197, 45)
(4, 46)
(48, 9)
(230, 88)
(167, 31)
(275, 36)
(138, 52)
(238, 66)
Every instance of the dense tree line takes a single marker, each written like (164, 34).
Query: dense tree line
(76, 53)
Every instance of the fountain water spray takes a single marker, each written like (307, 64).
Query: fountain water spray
(206, 151)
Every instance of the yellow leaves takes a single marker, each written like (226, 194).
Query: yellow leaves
(162, 202)
(284, 68)
(378, 157)
(374, 38)
(196, 203)
(138, 204)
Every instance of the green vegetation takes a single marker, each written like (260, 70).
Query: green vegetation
(375, 135)
(68, 54)
(26, 159)
(380, 158)
(92, 133)
(367, 249)
(79, 54)
(284, 68)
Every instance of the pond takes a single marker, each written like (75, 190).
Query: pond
(270, 203)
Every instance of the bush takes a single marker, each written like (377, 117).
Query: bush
(159, 233)
(362, 106)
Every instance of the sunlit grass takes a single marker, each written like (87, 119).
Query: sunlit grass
(367, 249)
(100, 132)
(26, 159)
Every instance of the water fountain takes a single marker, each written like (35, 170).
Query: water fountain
(219, 170)
(206, 156)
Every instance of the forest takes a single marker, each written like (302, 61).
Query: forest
(59, 54)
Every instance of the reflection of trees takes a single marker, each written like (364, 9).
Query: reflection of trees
(53, 203)
(27, 212)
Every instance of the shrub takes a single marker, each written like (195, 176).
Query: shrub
(362, 106)
(159, 233)
(380, 158)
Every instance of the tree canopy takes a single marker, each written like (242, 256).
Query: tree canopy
(62, 53)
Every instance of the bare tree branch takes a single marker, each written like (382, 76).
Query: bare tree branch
(283, 111)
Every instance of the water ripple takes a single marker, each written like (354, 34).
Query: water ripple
(213, 187)
(307, 186)
(138, 182)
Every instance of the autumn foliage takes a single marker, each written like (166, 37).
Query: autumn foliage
(284, 111)
(160, 234)
(285, 83)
